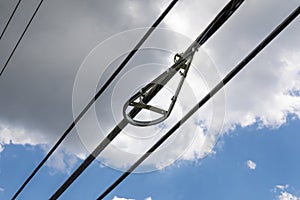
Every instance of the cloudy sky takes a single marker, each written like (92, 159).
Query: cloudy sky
(242, 145)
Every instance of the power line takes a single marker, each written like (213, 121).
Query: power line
(220, 85)
(28, 24)
(214, 25)
(137, 99)
(91, 102)
(11, 16)
(114, 133)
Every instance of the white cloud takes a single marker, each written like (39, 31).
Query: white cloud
(251, 165)
(121, 198)
(287, 196)
(62, 162)
(284, 194)
(262, 92)
(1, 147)
(2, 189)
(10, 135)
(281, 187)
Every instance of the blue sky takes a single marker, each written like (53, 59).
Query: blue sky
(51, 77)
(224, 175)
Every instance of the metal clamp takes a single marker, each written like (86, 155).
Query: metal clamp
(140, 99)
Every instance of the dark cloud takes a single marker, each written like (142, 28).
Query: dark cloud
(36, 88)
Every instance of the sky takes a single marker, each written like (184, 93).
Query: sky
(243, 144)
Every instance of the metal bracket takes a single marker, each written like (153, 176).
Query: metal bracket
(182, 66)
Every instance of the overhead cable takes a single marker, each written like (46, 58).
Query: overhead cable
(98, 94)
(11, 16)
(22, 35)
(219, 86)
(135, 111)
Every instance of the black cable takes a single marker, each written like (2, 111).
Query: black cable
(220, 85)
(11, 16)
(122, 124)
(36, 10)
(114, 133)
(225, 13)
(107, 83)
